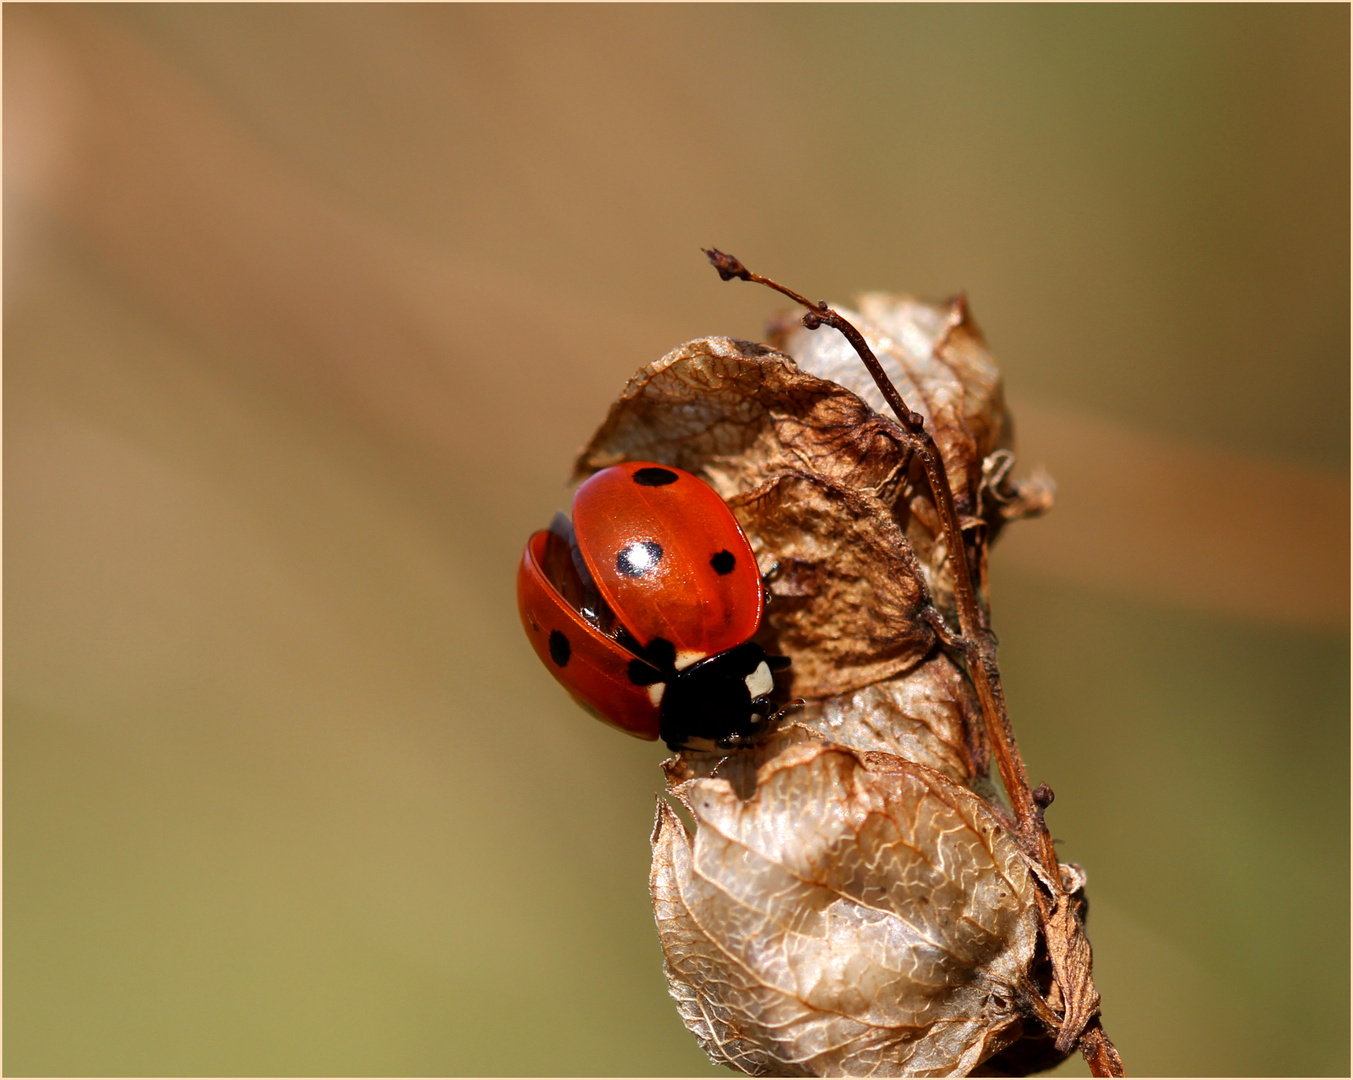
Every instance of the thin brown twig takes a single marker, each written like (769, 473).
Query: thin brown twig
(976, 641)
(977, 644)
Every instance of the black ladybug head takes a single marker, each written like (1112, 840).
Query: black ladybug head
(719, 701)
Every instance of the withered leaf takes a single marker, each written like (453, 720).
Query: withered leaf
(856, 915)
(740, 414)
(929, 715)
(936, 356)
(845, 589)
(853, 899)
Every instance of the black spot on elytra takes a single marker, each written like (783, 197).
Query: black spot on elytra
(661, 653)
(642, 674)
(723, 562)
(639, 558)
(654, 477)
(560, 649)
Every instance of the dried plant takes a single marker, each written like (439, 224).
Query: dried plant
(853, 896)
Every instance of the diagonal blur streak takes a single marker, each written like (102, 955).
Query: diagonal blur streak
(1183, 524)
(281, 282)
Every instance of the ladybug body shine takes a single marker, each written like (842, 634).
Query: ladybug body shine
(644, 606)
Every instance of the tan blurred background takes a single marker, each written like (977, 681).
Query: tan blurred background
(308, 308)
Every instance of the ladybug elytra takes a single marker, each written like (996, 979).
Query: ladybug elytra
(644, 606)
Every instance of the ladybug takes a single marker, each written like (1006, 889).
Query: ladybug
(644, 606)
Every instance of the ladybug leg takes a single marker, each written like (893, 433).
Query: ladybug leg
(771, 574)
(770, 717)
(743, 740)
(797, 703)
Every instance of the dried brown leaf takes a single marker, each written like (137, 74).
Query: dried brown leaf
(846, 593)
(929, 715)
(853, 899)
(856, 915)
(936, 356)
(740, 414)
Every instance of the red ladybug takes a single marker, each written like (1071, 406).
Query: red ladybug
(644, 606)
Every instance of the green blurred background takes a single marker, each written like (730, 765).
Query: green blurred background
(308, 308)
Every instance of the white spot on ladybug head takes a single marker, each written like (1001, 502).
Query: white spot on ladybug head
(655, 693)
(686, 657)
(760, 682)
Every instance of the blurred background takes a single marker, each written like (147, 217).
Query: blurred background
(308, 308)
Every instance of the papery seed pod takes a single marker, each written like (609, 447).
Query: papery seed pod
(855, 915)
(852, 898)
(937, 358)
(928, 715)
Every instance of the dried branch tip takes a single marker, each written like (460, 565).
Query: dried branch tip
(728, 267)
(820, 314)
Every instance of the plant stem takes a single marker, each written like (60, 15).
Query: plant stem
(1080, 1025)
